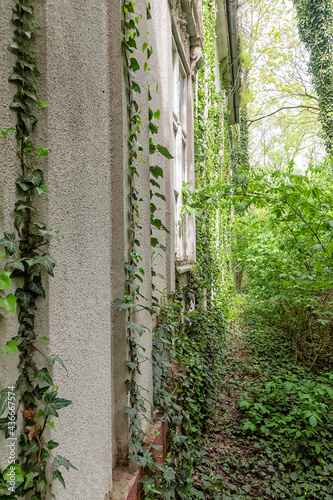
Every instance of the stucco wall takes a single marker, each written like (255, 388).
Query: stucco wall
(85, 129)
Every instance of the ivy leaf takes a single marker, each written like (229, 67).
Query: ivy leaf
(164, 151)
(63, 462)
(5, 131)
(41, 486)
(46, 260)
(42, 152)
(52, 234)
(10, 347)
(41, 104)
(29, 479)
(53, 403)
(15, 76)
(43, 190)
(27, 8)
(19, 182)
(23, 297)
(139, 329)
(44, 375)
(134, 64)
(52, 444)
(157, 223)
(53, 358)
(136, 87)
(57, 475)
(31, 93)
(21, 386)
(8, 242)
(9, 303)
(18, 474)
(31, 448)
(16, 264)
(36, 287)
(156, 171)
(29, 121)
(4, 281)
(35, 177)
(122, 304)
(3, 401)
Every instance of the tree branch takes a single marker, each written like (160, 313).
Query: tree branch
(280, 109)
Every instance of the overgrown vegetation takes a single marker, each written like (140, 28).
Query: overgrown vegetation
(283, 247)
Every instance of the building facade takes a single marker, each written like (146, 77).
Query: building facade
(85, 129)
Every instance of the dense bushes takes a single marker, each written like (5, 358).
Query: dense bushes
(284, 246)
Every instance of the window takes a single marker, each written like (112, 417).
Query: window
(180, 143)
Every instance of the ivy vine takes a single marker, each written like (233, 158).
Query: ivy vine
(315, 23)
(35, 392)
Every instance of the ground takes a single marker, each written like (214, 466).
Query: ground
(263, 400)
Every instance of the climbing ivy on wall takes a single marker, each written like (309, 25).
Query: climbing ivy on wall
(315, 24)
(35, 393)
(212, 159)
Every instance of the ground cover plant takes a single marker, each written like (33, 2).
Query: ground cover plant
(272, 436)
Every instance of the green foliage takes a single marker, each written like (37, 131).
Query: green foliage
(185, 384)
(212, 173)
(25, 246)
(315, 21)
(289, 410)
(284, 247)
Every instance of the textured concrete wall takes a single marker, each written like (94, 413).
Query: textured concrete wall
(85, 130)
(79, 170)
(74, 61)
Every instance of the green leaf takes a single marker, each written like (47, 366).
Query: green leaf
(8, 303)
(18, 473)
(36, 287)
(31, 448)
(57, 475)
(41, 486)
(313, 421)
(16, 264)
(8, 242)
(29, 121)
(31, 93)
(63, 462)
(16, 77)
(53, 403)
(134, 64)
(46, 260)
(4, 280)
(23, 297)
(43, 190)
(27, 8)
(41, 104)
(136, 87)
(3, 401)
(21, 184)
(44, 375)
(164, 151)
(157, 114)
(52, 234)
(156, 171)
(10, 347)
(52, 444)
(42, 152)
(35, 177)
(53, 358)
(29, 479)
(5, 131)
(51, 426)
